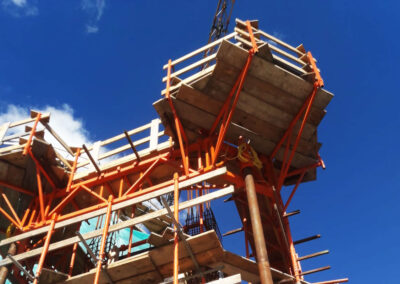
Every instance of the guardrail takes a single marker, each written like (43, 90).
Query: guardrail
(196, 64)
(121, 148)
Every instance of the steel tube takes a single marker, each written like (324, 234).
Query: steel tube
(103, 240)
(258, 233)
(45, 249)
(176, 240)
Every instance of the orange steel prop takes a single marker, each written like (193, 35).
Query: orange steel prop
(16, 188)
(28, 210)
(131, 232)
(5, 214)
(178, 125)
(293, 191)
(72, 262)
(40, 168)
(285, 168)
(28, 143)
(103, 240)
(71, 176)
(11, 209)
(40, 191)
(45, 249)
(176, 216)
(239, 85)
(138, 182)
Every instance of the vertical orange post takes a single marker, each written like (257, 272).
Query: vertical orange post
(131, 232)
(28, 143)
(246, 237)
(72, 262)
(40, 190)
(45, 248)
(71, 176)
(178, 125)
(176, 216)
(103, 240)
(201, 220)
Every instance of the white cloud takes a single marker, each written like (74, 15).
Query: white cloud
(19, 3)
(94, 9)
(62, 120)
(20, 8)
(92, 29)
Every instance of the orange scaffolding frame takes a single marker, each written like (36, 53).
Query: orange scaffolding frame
(47, 208)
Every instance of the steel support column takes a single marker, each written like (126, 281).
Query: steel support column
(258, 233)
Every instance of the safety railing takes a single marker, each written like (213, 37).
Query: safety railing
(195, 65)
(123, 148)
(100, 155)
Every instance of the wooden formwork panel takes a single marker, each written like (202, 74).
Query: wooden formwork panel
(270, 99)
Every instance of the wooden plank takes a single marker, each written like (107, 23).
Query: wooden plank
(157, 240)
(200, 120)
(16, 135)
(118, 206)
(252, 104)
(143, 267)
(57, 137)
(274, 48)
(122, 136)
(242, 116)
(275, 75)
(49, 276)
(265, 52)
(191, 79)
(120, 149)
(122, 225)
(3, 130)
(270, 37)
(200, 50)
(191, 66)
(11, 148)
(44, 117)
(125, 159)
(154, 135)
(266, 92)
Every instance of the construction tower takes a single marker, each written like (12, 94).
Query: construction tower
(237, 119)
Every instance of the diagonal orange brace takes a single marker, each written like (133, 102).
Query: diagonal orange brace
(28, 143)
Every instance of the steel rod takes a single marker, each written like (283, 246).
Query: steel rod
(176, 227)
(93, 257)
(231, 232)
(291, 213)
(91, 159)
(315, 270)
(306, 239)
(20, 267)
(45, 249)
(103, 240)
(132, 146)
(313, 255)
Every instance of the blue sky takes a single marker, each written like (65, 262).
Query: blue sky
(104, 60)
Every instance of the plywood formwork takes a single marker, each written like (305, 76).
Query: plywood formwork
(272, 95)
(252, 107)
